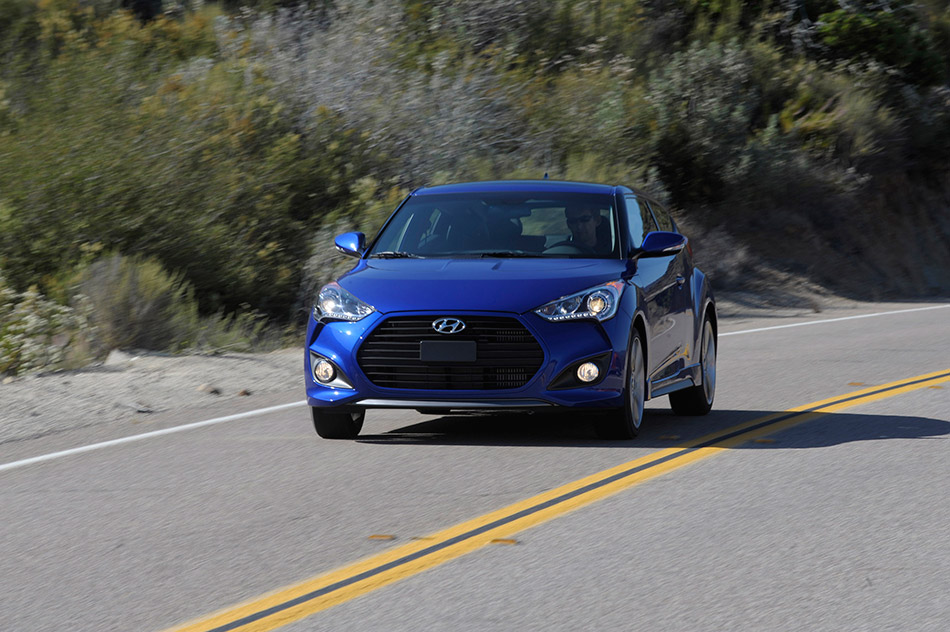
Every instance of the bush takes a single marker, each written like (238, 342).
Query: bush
(704, 104)
(408, 119)
(35, 332)
(886, 32)
(123, 147)
(134, 303)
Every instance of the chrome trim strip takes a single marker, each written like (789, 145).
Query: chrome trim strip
(432, 403)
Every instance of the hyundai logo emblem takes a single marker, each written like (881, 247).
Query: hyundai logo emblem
(448, 325)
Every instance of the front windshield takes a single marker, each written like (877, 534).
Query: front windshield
(502, 224)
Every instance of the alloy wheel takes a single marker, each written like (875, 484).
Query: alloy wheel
(636, 385)
(709, 363)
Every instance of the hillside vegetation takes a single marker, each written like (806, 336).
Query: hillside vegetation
(222, 144)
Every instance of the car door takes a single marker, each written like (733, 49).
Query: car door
(679, 301)
(656, 277)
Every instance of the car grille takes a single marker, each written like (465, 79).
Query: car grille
(507, 355)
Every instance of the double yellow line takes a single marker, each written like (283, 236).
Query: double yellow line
(319, 593)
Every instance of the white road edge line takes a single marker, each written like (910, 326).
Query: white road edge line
(263, 411)
(833, 320)
(146, 435)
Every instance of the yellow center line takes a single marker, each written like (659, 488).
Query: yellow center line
(305, 598)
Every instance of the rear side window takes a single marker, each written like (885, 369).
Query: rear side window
(639, 219)
(663, 219)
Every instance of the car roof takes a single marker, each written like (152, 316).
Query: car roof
(554, 186)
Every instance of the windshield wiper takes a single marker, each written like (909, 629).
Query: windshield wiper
(395, 254)
(509, 253)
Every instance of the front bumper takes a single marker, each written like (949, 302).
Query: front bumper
(564, 344)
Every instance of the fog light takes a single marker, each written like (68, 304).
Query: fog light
(324, 371)
(587, 372)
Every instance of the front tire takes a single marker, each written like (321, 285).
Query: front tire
(337, 425)
(625, 423)
(698, 400)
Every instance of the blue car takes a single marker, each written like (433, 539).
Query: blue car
(515, 295)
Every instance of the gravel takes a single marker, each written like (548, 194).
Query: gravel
(130, 386)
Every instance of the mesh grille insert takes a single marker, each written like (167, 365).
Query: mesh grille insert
(507, 355)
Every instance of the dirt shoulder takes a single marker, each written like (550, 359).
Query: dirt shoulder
(131, 386)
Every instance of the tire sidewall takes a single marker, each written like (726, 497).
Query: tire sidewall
(632, 428)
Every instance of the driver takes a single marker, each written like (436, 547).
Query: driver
(584, 222)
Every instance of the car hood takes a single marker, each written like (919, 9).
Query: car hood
(509, 285)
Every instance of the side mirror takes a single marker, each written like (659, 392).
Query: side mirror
(351, 244)
(660, 243)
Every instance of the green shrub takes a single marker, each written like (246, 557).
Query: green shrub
(134, 303)
(35, 333)
(199, 164)
(703, 107)
(849, 117)
(887, 32)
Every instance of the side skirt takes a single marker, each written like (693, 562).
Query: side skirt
(684, 378)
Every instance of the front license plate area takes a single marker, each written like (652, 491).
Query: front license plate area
(447, 351)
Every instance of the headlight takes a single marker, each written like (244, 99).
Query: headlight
(335, 303)
(598, 303)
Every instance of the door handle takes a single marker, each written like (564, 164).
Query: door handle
(680, 280)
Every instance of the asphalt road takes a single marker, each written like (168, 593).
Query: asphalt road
(839, 522)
